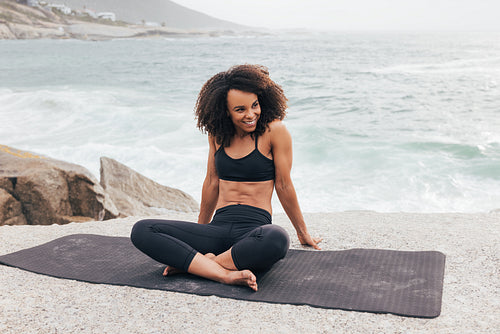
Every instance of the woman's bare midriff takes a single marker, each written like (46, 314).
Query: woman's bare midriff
(257, 194)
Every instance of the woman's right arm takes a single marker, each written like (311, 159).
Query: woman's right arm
(210, 190)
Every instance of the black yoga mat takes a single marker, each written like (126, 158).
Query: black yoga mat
(371, 280)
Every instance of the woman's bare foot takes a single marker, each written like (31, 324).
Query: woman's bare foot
(203, 266)
(169, 271)
(243, 277)
(235, 277)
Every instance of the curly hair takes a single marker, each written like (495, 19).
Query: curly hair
(211, 108)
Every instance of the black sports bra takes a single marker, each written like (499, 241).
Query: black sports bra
(253, 167)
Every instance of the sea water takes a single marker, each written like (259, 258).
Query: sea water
(380, 121)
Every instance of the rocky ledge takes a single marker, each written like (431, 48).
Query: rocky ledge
(38, 190)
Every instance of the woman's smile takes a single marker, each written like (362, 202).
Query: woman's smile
(252, 122)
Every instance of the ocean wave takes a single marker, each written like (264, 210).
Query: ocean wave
(489, 65)
(365, 137)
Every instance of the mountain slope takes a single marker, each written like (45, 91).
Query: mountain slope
(159, 11)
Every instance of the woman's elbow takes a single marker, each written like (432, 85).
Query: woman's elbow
(283, 186)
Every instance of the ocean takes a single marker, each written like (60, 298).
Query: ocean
(380, 121)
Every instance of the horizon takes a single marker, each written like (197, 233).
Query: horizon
(356, 15)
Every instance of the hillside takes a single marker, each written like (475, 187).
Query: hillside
(19, 21)
(164, 12)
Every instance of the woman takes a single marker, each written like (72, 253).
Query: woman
(250, 154)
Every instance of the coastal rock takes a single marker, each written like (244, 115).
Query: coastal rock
(5, 32)
(135, 194)
(94, 30)
(10, 210)
(52, 191)
(6, 184)
(23, 31)
(19, 21)
(44, 195)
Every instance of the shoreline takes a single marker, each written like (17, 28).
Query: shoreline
(80, 30)
(471, 298)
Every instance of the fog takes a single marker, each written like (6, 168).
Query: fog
(357, 15)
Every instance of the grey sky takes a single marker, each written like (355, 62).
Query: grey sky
(403, 15)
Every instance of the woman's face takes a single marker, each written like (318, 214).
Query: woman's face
(244, 110)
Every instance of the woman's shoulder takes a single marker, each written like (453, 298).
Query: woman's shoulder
(278, 132)
(277, 126)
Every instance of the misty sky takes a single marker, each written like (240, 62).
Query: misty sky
(399, 15)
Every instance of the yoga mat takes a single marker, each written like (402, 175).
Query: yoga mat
(369, 280)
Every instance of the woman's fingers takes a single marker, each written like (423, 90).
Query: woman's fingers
(310, 241)
(316, 242)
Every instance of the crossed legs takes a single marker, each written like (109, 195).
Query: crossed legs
(190, 247)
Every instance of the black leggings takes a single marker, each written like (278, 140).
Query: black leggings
(256, 243)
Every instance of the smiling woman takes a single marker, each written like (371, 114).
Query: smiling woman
(242, 84)
(237, 108)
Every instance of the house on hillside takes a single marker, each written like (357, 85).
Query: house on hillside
(59, 7)
(107, 16)
(151, 24)
(50, 6)
(90, 13)
(32, 3)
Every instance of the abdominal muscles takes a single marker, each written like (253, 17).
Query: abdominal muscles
(257, 194)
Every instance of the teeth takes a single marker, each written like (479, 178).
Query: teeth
(249, 123)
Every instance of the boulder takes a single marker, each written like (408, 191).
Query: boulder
(136, 195)
(6, 184)
(10, 210)
(52, 191)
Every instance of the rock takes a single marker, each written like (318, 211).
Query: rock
(44, 194)
(10, 210)
(135, 194)
(24, 31)
(6, 184)
(5, 32)
(52, 191)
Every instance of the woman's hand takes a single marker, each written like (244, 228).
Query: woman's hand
(307, 240)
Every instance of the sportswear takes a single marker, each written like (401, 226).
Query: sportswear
(255, 243)
(254, 167)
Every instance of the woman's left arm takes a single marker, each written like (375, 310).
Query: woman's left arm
(281, 142)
